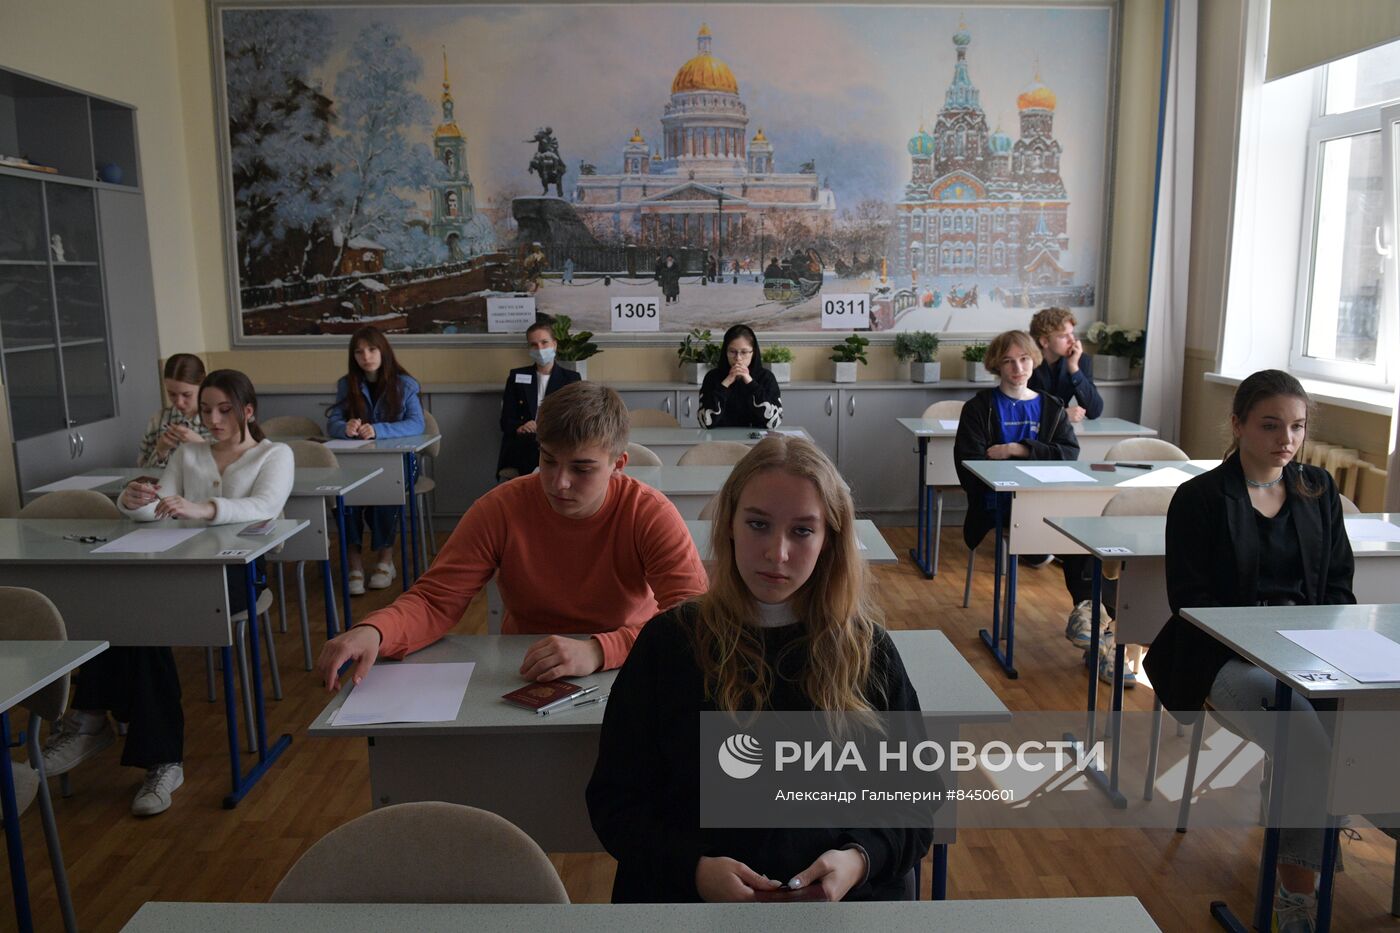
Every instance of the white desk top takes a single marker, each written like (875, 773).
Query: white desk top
(877, 549)
(413, 443)
(321, 482)
(1098, 427)
(1006, 475)
(1146, 535)
(1253, 631)
(41, 541)
(27, 667)
(664, 437)
(947, 685)
(682, 480)
(1044, 915)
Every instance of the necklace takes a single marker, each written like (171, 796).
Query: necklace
(1271, 483)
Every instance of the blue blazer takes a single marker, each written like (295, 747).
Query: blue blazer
(405, 423)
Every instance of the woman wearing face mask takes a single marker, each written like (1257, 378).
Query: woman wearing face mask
(740, 392)
(525, 388)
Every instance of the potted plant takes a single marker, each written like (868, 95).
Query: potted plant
(920, 348)
(845, 355)
(1117, 350)
(973, 356)
(779, 362)
(698, 354)
(574, 349)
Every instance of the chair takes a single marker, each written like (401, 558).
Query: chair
(945, 411)
(1349, 507)
(423, 486)
(293, 426)
(637, 455)
(1145, 448)
(707, 514)
(72, 503)
(444, 853)
(29, 616)
(651, 418)
(714, 453)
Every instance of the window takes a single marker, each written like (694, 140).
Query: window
(1344, 320)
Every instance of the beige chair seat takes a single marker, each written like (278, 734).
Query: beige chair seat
(714, 453)
(639, 455)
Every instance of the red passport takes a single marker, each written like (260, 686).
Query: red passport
(533, 696)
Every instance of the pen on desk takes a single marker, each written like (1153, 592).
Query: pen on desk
(1137, 466)
(565, 709)
(544, 710)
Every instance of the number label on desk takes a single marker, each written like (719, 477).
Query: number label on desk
(1005, 483)
(234, 552)
(1315, 677)
(1115, 550)
(330, 488)
(635, 315)
(845, 312)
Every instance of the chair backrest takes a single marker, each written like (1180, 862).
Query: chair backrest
(443, 853)
(27, 615)
(637, 455)
(1145, 448)
(1150, 500)
(71, 503)
(707, 514)
(430, 426)
(311, 454)
(293, 426)
(1349, 507)
(714, 453)
(947, 410)
(651, 418)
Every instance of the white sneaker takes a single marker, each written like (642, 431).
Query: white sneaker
(154, 795)
(67, 747)
(381, 578)
(1080, 624)
(357, 583)
(1294, 913)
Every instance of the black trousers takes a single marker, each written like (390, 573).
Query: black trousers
(141, 687)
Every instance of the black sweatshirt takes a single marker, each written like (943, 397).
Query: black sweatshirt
(644, 797)
(756, 404)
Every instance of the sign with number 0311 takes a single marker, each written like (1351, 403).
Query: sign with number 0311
(636, 314)
(845, 312)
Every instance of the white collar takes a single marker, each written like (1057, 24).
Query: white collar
(775, 615)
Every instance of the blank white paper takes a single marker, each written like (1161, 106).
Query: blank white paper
(76, 482)
(1167, 476)
(346, 444)
(1371, 529)
(407, 693)
(1363, 655)
(1056, 474)
(148, 541)
(947, 425)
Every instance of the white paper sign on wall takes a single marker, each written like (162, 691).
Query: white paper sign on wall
(845, 312)
(509, 315)
(636, 315)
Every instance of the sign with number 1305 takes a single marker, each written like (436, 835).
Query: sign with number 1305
(636, 314)
(845, 312)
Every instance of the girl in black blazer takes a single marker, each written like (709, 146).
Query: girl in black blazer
(526, 387)
(1260, 529)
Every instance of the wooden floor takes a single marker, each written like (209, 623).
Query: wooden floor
(198, 851)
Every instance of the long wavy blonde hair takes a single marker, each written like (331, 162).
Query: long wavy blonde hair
(834, 607)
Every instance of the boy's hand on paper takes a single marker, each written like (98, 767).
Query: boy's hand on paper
(558, 656)
(360, 644)
(839, 870)
(725, 880)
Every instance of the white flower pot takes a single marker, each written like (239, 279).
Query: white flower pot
(781, 371)
(694, 373)
(976, 372)
(1111, 368)
(844, 372)
(578, 366)
(925, 372)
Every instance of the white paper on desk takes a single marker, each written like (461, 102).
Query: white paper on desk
(76, 482)
(148, 541)
(790, 432)
(1056, 474)
(948, 425)
(345, 444)
(1363, 655)
(1166, 476)
(1371, 529)
(407, 693)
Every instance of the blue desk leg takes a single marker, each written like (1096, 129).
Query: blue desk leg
(403, 549)
(242, 784)
(19, 882)
(1096, 776)
(992, 639)
(1330, 848)
(939, 891)
(344, 570)
(411, 473)
(1268, 861)
(920, 552)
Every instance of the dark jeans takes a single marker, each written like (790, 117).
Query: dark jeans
(383, 522)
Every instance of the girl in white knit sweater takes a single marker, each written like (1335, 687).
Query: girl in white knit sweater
(238, 477)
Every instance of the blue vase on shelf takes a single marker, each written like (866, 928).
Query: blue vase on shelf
(110, 172)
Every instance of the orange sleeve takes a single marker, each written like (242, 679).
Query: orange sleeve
(672, 567)
(440, 597)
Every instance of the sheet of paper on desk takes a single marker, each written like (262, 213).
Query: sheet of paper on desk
(1363, 655)
(948, 425)
(790, 432)
(1056, 474)
(1371, 529)
(407, 693)
(148, 541)
(345, 444)
(76, 482)
(1167, 476)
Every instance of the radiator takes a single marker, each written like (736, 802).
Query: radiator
(1357, 479)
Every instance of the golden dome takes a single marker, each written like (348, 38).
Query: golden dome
(448, 131)
(704, 29)
(759, 137)
(1036, 96)
(636, 135)
(704, 72)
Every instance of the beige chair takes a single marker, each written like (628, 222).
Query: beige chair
(29, 616)
(1349, 507)
(707, 514)
(424, 486)
(1145, 448)
(948, 410)
(293, 426)
(443, 853)
(651, 418)
(714, 453)
(72, 503)
(637, 455)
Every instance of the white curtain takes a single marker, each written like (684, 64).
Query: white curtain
(1171, 237)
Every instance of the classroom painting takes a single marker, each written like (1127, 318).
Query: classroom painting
(401, 164)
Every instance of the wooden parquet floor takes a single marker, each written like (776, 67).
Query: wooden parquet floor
(199, 851)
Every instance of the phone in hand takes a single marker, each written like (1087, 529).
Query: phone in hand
(786, 895)
(148, 480)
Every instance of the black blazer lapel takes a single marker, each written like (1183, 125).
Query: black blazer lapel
(1244, 534)
(1313, 537)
